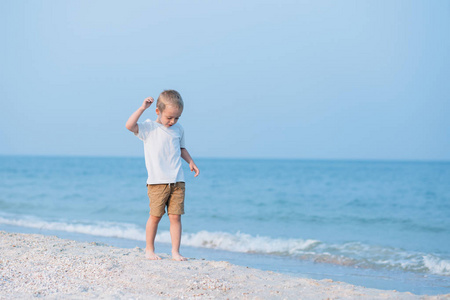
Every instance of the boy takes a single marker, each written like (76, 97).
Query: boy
(164, 147)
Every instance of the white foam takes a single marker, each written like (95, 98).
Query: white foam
(349, 254)
(106, 229)
(241, 242)
(437, 265)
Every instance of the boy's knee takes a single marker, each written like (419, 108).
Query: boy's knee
(154, 219)
(175, 218)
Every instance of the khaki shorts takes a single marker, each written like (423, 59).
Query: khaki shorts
(170, 195)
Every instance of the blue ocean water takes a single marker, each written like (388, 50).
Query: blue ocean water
(382, 224)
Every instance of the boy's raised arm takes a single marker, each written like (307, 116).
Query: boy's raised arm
(131, 124)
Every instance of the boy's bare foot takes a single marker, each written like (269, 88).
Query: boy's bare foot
(151, 255)
(178, 257)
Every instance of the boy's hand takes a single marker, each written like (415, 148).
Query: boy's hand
(194, 168)
(147, 102)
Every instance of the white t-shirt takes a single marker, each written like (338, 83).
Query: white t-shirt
(162, 147)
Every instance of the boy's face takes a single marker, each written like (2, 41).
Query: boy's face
(169, 116)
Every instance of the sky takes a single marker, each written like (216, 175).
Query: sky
(260, 79)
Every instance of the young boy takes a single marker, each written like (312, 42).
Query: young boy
(164, 147)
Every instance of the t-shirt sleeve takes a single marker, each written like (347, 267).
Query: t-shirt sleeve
(182, 141)
(144, 129)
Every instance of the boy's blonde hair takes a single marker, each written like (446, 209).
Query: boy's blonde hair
(169, 97)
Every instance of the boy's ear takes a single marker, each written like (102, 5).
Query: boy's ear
(157, 111)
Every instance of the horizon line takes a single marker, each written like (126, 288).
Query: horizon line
(237, 158)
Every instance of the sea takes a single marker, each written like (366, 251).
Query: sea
(378, 224)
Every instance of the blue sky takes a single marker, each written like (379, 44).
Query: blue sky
(260, 79)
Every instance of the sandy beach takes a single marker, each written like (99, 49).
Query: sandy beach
(33, 265)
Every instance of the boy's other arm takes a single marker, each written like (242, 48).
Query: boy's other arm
(131, 124)
(187, 157)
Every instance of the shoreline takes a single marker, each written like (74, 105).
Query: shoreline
(34, 265)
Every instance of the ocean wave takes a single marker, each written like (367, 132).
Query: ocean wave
(437, 265)
(105, 229)
(354, 254)
(241, 242)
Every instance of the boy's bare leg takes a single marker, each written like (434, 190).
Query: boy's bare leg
(150, 234)
(175, 234)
